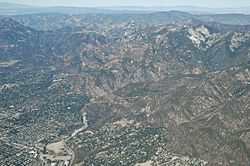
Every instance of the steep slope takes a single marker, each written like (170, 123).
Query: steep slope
(17, 40)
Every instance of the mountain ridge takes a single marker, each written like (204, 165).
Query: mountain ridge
(12, 8)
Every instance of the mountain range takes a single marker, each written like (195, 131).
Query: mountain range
(157, 88)
(11, 9)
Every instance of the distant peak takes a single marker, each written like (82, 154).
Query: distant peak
(10, 24)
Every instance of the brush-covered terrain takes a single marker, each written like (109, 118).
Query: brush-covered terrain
(167, 88)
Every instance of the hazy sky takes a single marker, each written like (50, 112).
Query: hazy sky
(99, 3)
